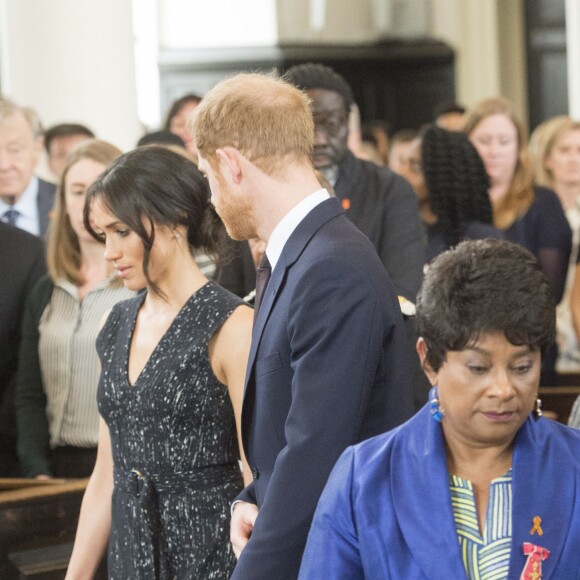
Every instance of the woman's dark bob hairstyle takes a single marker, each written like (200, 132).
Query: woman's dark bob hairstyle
(153, 186)
(484, 286)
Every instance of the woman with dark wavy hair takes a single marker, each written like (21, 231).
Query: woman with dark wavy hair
(451, 182)
(173, 367)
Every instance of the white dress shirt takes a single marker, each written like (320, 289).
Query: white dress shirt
(27, 208)
(290, 222)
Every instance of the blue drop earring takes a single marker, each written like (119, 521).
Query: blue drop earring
(436, 411)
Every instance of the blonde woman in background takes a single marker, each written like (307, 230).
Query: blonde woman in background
(58, 370)
(529, 215)
(555, 153)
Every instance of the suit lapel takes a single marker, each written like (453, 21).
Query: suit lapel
(293, 248)
(420, 484)
(347, 177)
(45, 203)
(542, 487)
(295, 245)
(268, 300)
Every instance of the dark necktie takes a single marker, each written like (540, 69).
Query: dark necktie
(262, 276)
(10, 216)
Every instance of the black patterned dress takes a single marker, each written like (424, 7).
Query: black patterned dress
(174, 445)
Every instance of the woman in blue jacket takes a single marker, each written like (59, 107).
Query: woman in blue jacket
(477, 484)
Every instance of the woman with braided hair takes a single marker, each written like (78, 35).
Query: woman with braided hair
(451, 183)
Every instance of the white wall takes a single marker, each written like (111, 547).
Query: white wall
(72, 60)
(325, 21)
(216, 23)
(471, 29)
(183, 24)
(487, 35)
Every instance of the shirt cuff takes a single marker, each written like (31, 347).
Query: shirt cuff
(233, 506)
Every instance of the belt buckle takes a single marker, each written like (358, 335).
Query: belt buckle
(136, 481)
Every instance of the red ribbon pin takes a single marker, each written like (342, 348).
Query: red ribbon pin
(536, 555)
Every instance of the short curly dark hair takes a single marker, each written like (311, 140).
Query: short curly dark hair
(456, 181)
(484, 286)
(317, 76)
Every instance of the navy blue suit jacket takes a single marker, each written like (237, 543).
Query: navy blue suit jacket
(22, 263)
(45, 202)
(328, 367)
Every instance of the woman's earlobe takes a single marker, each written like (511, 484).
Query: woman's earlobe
(421, 348)
(425, 365)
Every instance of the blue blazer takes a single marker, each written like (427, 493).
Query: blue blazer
(328, 367)
(386, 511)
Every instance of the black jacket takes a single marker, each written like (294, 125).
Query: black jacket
(383, 206)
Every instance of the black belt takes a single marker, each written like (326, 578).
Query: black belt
(133, 480)
(144, 488)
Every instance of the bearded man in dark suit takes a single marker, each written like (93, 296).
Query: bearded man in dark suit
(328, 364)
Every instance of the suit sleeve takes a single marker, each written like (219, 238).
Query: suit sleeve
(332, 549)
(336, 339)
(247, 494)
(554, 241)
(37, 269)
(31, 420)
(404, 242)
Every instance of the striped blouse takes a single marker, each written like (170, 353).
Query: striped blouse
(485, 557)
(69, 362)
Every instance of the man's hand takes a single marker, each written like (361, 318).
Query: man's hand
(242, 524)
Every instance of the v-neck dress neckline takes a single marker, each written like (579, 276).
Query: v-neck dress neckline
(162, 340)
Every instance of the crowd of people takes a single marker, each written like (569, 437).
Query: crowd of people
(376, 415)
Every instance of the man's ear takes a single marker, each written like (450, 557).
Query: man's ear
(230, 160)
(427, 368)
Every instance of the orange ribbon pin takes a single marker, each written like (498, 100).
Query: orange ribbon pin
(537, 527)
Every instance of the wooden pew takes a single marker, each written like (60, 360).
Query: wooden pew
(38, 521)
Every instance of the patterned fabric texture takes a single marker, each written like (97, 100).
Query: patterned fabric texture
(485, 557)
(174, 446)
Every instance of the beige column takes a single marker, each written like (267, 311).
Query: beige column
(573, 48)
(488, 38)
